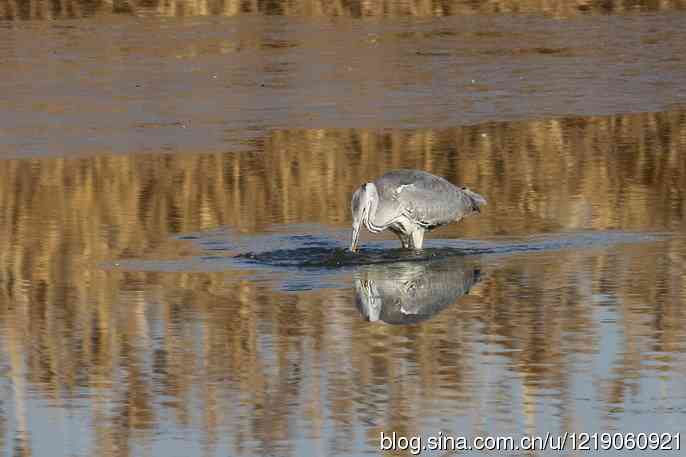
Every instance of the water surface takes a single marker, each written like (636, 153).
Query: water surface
(174, 197)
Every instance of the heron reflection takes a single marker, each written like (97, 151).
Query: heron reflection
(411, 292)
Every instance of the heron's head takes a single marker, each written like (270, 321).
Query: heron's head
(362, 205)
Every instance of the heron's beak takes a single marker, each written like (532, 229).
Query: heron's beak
(356, 236)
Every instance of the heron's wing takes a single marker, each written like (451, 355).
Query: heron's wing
(387, 212)
(426, 199)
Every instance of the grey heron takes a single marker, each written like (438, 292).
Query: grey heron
(408, 203)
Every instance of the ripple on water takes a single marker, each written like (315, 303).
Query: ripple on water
(314, 252)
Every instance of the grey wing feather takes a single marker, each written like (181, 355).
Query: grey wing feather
(428, 200)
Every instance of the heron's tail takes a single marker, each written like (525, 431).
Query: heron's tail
(475, 200)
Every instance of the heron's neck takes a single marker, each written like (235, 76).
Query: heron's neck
(371, 209)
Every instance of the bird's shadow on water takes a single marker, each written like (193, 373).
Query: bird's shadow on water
(312, 252)
(338, 258)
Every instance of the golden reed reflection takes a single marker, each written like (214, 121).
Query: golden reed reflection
(141, 347)
(55, 9)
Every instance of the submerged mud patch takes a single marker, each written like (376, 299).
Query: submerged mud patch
(317, 253)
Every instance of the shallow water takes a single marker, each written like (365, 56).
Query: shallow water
(174, 196)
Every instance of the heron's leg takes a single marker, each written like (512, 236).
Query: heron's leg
(405, 240)
(417, 238)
